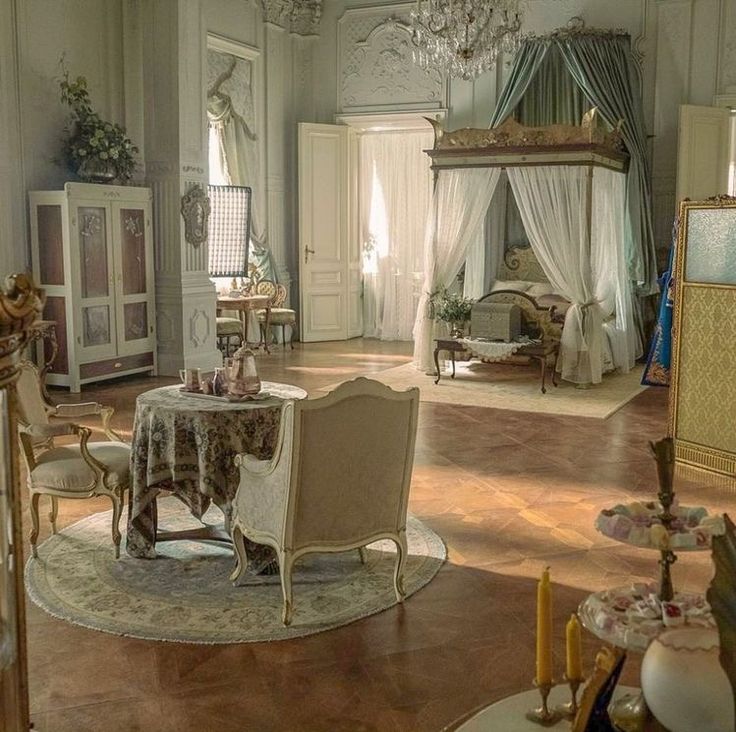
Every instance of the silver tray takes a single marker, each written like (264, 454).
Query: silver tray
(230, 398)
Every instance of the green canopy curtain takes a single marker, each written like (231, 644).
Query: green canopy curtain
(527, 61)
(602, 66)
(553, 97)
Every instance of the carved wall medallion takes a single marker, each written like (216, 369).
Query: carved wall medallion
(195, 208)
(377, 68)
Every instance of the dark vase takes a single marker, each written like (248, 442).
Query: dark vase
(94, 170)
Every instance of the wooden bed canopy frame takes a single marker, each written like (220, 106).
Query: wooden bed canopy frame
(512, 144)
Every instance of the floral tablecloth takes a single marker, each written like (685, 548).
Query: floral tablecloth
(187, 445)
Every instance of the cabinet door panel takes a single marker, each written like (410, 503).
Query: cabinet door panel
(51, 253)
(133, 250)
(131, 227)
(93, 251)
(96, 317)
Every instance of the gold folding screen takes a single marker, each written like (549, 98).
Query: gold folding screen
(703, 391)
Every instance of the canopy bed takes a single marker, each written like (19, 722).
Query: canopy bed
(569, 182)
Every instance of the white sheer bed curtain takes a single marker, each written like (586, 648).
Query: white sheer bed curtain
(552, 201)
(459, 204)
(608, 263)
(396, 187)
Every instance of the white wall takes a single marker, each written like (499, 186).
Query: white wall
(35, 33)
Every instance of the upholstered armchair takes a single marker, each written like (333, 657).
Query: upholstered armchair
(83, 470)
(338, 480)
(278, 315)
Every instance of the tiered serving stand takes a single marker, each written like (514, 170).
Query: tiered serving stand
(632, 617)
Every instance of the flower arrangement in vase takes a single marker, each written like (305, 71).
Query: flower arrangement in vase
(99, 151)
(453, 309)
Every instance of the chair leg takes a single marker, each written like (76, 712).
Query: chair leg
(291, 336)
(34, 522)
(362, 554)
(54, 512)
(401, 552)
(241, 556)
(285, 567)
(117, 509)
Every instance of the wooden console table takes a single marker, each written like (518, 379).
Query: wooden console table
(44, 330)
(537, 352)
(244, 305)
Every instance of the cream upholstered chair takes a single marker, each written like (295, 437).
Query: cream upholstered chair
(228, 327)
(339, 479)
(279, 314)
(70, 471)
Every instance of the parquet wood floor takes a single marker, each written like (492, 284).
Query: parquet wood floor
(509, 493)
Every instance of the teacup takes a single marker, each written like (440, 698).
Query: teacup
(191, 379)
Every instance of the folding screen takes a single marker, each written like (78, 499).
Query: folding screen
(703, 390)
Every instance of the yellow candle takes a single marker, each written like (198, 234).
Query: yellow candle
(544, 630)
(574, 666)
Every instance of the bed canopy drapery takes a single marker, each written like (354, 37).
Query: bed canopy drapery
(601, 64)
(569, 183)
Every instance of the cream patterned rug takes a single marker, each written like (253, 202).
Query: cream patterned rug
(514, 387)
(185, 595)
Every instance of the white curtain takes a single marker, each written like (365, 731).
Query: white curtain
(583, 266)
(485, 254)
(459, 204)
(396, 187)
(608, 265)
(231, 118)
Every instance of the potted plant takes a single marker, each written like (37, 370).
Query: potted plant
(453, 309)
(98, 151)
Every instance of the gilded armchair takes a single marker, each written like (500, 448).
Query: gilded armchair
(83, 470)
(338, 480)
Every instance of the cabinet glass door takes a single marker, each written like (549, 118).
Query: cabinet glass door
(90, 225)
(132, 228)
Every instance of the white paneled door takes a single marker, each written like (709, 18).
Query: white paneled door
(703, 152)
(327, 246)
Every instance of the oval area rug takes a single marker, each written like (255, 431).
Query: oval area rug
(185, 595)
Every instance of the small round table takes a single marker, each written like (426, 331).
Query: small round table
(509, 714)
(187, 445)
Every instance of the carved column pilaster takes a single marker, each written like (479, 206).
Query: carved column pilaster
(176, 160)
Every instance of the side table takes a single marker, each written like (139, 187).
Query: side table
(44, 330)
(446, 344)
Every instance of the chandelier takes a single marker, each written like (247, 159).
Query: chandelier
(464, 37)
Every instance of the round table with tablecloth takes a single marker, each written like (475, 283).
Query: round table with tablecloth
(187, 445)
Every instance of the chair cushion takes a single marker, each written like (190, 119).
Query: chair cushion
(229, 326)
(278, 316)
(64, 469)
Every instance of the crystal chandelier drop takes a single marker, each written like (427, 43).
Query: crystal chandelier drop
(464, 37)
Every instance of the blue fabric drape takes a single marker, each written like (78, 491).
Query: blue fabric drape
(657, 370)
(603, 67)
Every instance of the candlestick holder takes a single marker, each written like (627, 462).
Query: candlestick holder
(570, 709)
(543, 715)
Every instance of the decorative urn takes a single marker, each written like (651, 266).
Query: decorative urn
(242, 374)
(683, 682)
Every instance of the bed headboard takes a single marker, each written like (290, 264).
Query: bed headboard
(519, 263)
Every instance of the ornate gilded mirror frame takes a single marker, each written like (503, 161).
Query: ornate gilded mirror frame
(703, 389)
(20, 305)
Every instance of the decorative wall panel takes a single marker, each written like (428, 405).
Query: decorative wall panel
(376, 66)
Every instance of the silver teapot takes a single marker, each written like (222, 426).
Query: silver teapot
(242, 374)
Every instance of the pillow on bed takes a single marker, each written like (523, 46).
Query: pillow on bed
(537, 289)
(518, 285)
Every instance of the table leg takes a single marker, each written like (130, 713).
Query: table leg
(437, 364)
(453, 363)
(48, 363)
(267, 328)
(244, 319)
(542, 370)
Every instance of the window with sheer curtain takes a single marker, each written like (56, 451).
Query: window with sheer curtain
(396, 188)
